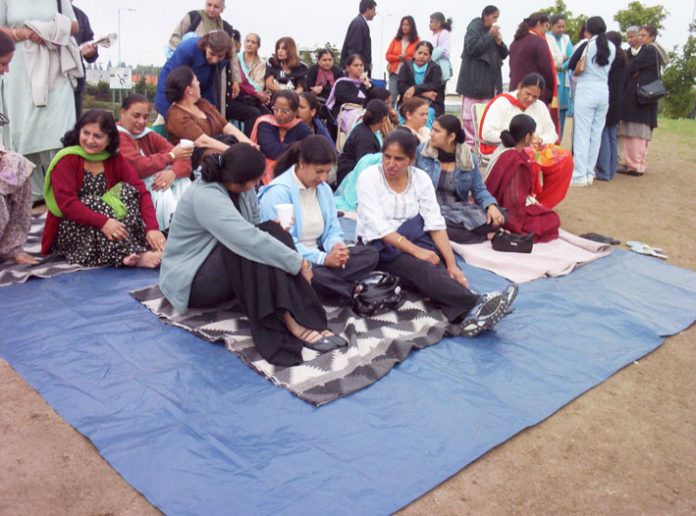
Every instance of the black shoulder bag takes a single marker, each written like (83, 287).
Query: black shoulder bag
(653, 91)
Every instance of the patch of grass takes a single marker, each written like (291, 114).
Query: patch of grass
(682, 130)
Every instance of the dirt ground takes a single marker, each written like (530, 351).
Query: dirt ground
(626, 447)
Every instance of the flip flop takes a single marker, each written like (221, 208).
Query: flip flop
(643, 248)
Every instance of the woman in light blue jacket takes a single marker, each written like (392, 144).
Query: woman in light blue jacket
(217, 253)
(591, 99)
(301, 174)
(455, 175)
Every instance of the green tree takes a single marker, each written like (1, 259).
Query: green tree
(679, 80)
(309, 56)
(638, 14)
(573, 23)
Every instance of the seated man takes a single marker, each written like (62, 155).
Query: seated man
(554, 162)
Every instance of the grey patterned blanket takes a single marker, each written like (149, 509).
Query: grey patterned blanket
(377, 343)
(11, 273)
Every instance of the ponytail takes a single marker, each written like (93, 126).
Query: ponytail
(452, 125)
(240, 163)
(520, 126)
(314, 149)
(529, 23)
(445, 23)
(596, 26)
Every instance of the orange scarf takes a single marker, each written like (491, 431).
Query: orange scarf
(270, 119)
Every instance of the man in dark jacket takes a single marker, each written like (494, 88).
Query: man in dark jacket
(89, 53)
(480, 76)
(358, 39)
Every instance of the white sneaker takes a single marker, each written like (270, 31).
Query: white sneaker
(580, 181)
(590, 179)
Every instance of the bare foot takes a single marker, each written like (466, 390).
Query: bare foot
(131, 260)
(149, 259)
(25, 259)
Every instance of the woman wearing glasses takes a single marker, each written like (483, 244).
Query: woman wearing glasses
(276, 132)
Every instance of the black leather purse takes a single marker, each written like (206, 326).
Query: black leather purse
(653, 91)
(511, 243)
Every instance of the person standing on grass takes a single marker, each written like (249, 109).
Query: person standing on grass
(358, 40)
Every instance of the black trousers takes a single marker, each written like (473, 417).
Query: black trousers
(331, 282)
(264, 294)
(246, 110)
(432, 281)
(461, 235)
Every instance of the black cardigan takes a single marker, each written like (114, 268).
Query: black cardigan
(347, 92)
(361, 141)
(431, 82)
(312, 79)
(640, 70)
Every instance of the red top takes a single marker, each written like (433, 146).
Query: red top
(394, 52)
(510, 181)
(66, 180)
(156, 149)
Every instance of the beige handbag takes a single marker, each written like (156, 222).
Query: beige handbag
(580, 66)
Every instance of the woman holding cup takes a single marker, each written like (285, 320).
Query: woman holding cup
(164, 169)
(301, 201)
(218, 252)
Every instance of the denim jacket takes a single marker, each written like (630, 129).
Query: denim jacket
(467, 176)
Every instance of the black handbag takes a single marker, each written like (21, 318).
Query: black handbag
(376, 293)
(511, 243)
(653, 91)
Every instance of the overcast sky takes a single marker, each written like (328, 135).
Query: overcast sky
(146, 30)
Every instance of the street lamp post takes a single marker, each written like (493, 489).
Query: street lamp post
(384, 16)
(119, 30)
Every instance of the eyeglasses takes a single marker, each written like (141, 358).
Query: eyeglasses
(282, 111)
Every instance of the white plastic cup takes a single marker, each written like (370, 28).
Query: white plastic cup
(285, 213)
(186, 144)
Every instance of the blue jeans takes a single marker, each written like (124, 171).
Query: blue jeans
(608, 158)
(591, 106)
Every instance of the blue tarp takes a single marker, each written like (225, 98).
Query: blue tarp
(197, 432)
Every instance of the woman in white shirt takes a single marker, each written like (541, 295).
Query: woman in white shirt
(399, 215)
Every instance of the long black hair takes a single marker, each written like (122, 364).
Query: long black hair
(239, 164)
(176, 83)
(520, 126)
(595, 25)
(107, 125)
(529, 23)
(375, 111)
(314, 149)
(452, 125)
(405, 139)
(413, 35)
(616, 38)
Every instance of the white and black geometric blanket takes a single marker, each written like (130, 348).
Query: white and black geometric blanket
(11, 273)
(376, 344)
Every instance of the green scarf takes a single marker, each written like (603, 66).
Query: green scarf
(75, 150)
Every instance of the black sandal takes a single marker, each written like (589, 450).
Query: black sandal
(324, 344)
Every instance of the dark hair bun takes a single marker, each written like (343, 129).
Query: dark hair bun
(507, 138)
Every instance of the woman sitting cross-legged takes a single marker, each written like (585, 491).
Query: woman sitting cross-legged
(193, 118)
(164, 169)
(511, 180)
(547, 159)
(398, 214)
(275, 133)
(446, 158)
(100, 212)
(364, 138)
(217, 252)
(301, 181)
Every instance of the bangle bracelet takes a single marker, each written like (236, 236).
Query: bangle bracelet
(172, 155)
(398, 240)
(14, 33)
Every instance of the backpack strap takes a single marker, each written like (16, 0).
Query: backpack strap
(195, 18)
